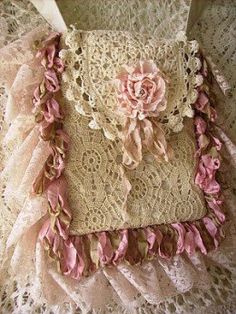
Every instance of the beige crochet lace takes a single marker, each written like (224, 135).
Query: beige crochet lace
(160, 193)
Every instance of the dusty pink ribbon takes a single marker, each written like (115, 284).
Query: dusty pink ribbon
(139, 134)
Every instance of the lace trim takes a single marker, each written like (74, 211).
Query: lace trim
(79, 255)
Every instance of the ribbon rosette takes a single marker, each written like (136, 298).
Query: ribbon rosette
(141, 92)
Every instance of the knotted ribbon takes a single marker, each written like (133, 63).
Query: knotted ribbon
(139, 134)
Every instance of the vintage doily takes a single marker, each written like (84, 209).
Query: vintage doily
(96, 184)
(93, 60)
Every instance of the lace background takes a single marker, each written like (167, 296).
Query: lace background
(219, 43)
(163, 18)
(16, 19)
(220, 296)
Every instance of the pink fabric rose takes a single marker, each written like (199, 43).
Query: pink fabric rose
(141, 91)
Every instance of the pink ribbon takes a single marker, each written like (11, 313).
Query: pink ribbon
(105, 249)
(122, 248)
(212, 229)
(159, 243)
(181, 239)
(215, 205)
(203, 105)
(51, 81)
(205, 176)
(52, 111)
(57, 199)
(73, 263)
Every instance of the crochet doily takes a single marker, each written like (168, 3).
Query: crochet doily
(161, 193)
(93, 60)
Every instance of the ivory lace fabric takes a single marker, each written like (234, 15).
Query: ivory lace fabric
(30, 284)
(162, 18)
